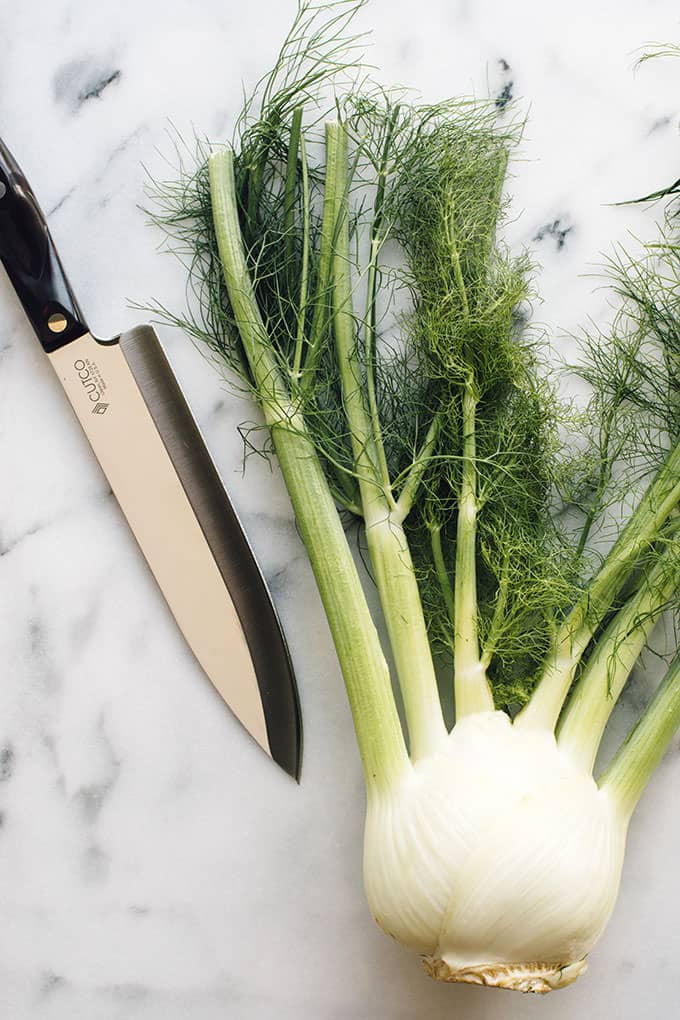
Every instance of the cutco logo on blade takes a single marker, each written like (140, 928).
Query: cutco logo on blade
(92, 382)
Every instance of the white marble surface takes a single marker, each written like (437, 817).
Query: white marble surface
(153, 864)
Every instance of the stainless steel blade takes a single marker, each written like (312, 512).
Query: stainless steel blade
(146, 440)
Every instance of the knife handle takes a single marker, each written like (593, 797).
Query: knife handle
(32, 263)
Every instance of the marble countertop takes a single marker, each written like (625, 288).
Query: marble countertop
(153, 864)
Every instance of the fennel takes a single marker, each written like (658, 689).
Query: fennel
(490, 849)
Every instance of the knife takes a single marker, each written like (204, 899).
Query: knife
(144, 436)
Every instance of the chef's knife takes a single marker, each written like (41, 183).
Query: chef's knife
(129, 403)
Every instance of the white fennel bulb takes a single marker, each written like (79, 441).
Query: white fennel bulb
(495, 857)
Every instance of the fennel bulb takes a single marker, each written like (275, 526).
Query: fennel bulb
(495, 858)
(490, 848)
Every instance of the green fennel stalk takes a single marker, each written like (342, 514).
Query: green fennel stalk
(353, 631)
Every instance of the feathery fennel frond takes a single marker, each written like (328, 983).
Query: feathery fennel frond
(436, 309)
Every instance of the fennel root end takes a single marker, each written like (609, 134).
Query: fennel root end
(539, 978)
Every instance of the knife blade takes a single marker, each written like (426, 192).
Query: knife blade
(140, 427)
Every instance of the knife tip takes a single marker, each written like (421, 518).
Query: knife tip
(290, 763)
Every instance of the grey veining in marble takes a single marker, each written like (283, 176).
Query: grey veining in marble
(153, 864)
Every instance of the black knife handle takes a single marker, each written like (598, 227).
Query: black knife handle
(30, 258)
